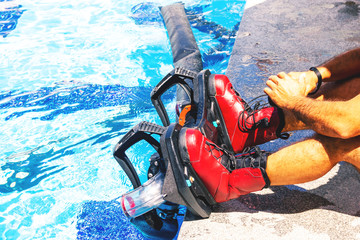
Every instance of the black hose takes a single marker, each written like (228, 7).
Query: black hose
(185, 51)
(184, 48)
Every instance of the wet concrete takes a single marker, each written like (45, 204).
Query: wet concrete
(284, 35)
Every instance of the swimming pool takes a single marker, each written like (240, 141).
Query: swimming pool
(76, 76)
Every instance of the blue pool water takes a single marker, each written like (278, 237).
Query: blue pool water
(74, 78)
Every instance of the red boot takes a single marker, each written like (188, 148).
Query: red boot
(225, 176)
(240, 125)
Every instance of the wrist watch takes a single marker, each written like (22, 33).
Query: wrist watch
(319, 82)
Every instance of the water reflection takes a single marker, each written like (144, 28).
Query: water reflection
(112, 224)
(30, 171)
(221, 38)
(34, 166)
(10, 12)
(67, 100)
(217, 56)
(25, 169)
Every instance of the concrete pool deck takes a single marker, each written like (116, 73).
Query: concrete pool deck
(284, 35)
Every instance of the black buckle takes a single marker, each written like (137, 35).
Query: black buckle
(141, 131)
(176, 76)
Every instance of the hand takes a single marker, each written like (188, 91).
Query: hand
(283, 90)
(308, 79)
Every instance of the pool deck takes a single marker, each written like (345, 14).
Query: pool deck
(284, 35)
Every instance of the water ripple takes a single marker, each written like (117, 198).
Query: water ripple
(10, 12)
(71, 99)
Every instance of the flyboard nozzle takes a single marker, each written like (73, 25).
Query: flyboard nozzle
(144, 198)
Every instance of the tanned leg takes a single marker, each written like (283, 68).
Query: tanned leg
(336, 91)
(311, 159)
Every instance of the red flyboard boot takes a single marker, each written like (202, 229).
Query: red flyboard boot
(225, 176)
(240, 125)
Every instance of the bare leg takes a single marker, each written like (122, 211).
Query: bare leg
(334, 91)
(311, 159)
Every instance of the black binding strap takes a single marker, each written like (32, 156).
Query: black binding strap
(176, 76)
(281, 125)
(282, 121)
(141, 131)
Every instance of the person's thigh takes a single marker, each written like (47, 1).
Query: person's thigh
(310, 159)
(339, 91)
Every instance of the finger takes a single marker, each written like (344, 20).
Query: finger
(282, 75)
(271, 84)
(268, 92)
(275, 79)
(286, 77)
(292, 74)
